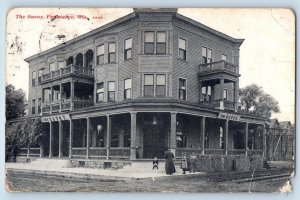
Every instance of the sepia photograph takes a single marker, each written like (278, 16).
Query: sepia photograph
(150, 100)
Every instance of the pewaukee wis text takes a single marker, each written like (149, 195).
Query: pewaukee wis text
(53, 17)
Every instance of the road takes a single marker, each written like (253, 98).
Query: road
(17, 181)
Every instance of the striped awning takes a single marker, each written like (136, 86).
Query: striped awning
(56, 118)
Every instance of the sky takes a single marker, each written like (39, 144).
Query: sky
(267, 56)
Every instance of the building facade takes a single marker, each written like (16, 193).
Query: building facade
(148, 81)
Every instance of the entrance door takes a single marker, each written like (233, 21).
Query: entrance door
(154, 141)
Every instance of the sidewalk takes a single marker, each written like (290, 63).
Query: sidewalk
(92, 173)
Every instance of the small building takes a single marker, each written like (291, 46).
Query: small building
(151, 80)
(280, 140)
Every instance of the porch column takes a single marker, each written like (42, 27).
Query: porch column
(246, 138)
(60, 93)
(50, 139)
(88, 122)
(72, 94)
(133, 135)
(222, 93)
(236, 94)
(173, 133)
(226, 136)
(264, 139)
(71, 138)
(203, 134)
(60, 138)
(51, 100)
(108, 135)
(200, 85)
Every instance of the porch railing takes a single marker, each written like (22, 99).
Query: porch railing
(220, 65)
(30, 151)
(97, 152)
(219, 104)
(65, 106)
(79, 151)
(188, 151)
(120, 152)
(69, 70)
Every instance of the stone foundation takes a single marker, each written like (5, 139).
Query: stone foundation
(99, 164)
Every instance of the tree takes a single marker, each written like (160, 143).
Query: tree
(15, 102)
(254, 100)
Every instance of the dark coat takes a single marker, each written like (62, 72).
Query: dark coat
(169, 167)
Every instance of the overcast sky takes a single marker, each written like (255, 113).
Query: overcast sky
(267, 56)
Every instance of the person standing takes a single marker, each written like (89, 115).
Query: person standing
(155, 163)
(184, 164)
(193, 162)
(169, 167)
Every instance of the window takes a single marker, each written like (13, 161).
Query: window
(206, 55)
(52, 67)
(33, 106)
(225, 94)
(111, 91)
(182, 89)
(182, 48)
(33, 78)
(112, 52)
(160, 85)
(161, 44)
(39, 105)
(149, 42)
(40, 74)
(127, 49)
(149, 85)
(61, 64)
(127, 88)
(224, 57)
(206, 91)
(100, 92)
(100, 54)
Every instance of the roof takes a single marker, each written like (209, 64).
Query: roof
(131, 16)
(285, 124)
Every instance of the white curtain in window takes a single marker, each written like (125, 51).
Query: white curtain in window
(128, 83)
(128, 43)
(149, 36)
(112, 47)
(161, 37)
(100, 50)
(149, 80)
(161, 80)
(182, 44)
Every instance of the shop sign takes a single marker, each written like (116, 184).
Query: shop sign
(229, 116)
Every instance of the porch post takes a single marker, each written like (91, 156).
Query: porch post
(87, 136)
(60, 138)
(236, 94)
(51, 100)
(50, 139)
(222, 93)
(108, 135)
(203, 134)
(60, 93)
(246, 138)
(226, 137)
(133, 135)
(200, 85)
(173, 133)
(71, 138)
(264, 139)
(72, 95)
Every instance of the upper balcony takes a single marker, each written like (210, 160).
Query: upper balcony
(218, 67)
(70, 70)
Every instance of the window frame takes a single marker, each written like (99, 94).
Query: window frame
(109, 92)
(97, 93)
(112, 53)
(153, 43)
(39, 105)
(222, 54)
(157, 43)
(184, 90)
(33, 102)
(225, 93)
(100, 55)
(207, 97)
(206, 55)
(156, 85)
(149, 85)
(183, 50)
(130, 89)
(40, 77)
(33, 78)
(126, 50)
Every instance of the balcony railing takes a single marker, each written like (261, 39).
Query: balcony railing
(69, 70)
(220, 104)
(218, 66)
(65, 105)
